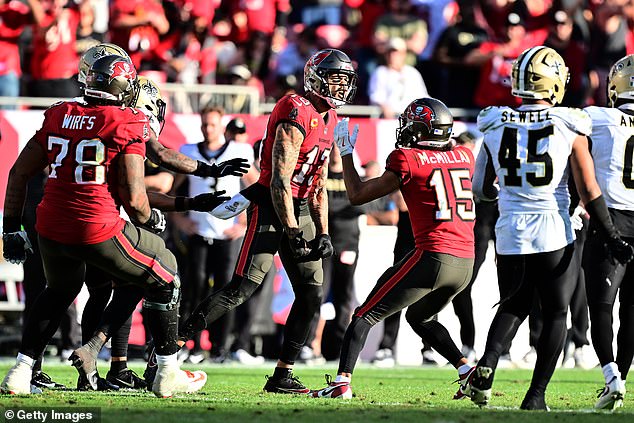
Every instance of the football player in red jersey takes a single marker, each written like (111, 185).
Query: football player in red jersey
(95, 152)
(288, 209)
(435, 180)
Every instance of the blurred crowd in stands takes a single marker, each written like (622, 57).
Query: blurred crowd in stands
(458, 51)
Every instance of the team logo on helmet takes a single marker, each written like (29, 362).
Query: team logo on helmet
(319, 57)
(421, 113)
(150, 89)
(123, 69)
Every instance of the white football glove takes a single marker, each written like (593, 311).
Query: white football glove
(344, 140)
(575, 220)
(231, 208)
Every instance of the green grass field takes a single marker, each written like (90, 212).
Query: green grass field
(403, 394)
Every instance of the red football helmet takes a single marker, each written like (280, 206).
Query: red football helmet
(425, 123)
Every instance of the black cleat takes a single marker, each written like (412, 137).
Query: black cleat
(151, 368)
(534, 401)
(126, 379)
(99, 384)
(44, 381)
(285, 385)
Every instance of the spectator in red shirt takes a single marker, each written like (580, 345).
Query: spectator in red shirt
(497, 59)
(575, 54)
(54, 61)
(14, 16)
(136, 25)
(259, 28)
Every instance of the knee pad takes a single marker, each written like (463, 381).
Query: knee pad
(165, 297)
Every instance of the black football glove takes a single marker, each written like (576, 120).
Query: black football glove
(156, 223)
(321, 247)
(16, 245)
(619, 251)
(233, 167)
(300, 247)
(207, 202)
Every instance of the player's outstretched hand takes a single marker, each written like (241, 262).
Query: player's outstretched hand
(619, 250)
(233, 167)
(209, 201)
(16, 246)
(344, 140)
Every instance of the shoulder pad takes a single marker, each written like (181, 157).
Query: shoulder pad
(576, 120)
(488, 117)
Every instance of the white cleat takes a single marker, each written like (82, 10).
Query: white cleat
(611, 396)
(480, 386)
(341, 390)
(172, 380)
(18, 381)
(464, 390)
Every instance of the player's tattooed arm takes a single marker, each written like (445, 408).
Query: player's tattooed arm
(132, 188)
(318, 202)
(32, 159)
(168, 158)
(288, 141)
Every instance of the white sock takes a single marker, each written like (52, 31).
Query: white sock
(24, 360)
(610, 370)
(464, 369)
(166, 360)
(341, 378)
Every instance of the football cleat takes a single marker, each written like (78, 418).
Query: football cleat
(44, 381)
(534, 401)
(151, 368)
(172, 380)
(464, 390)
(18, 381)
(383, 358)
(126, 379)
(611, 396)
(100, 384)
(285, 385)
(341, 390)
(480, 385)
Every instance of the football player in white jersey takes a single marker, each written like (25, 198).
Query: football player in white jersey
(214, 243)
(612, 147)
(528, 149)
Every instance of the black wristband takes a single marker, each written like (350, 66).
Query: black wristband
(600, 217)
(179, 204)
(202, 169)
(11, 224)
